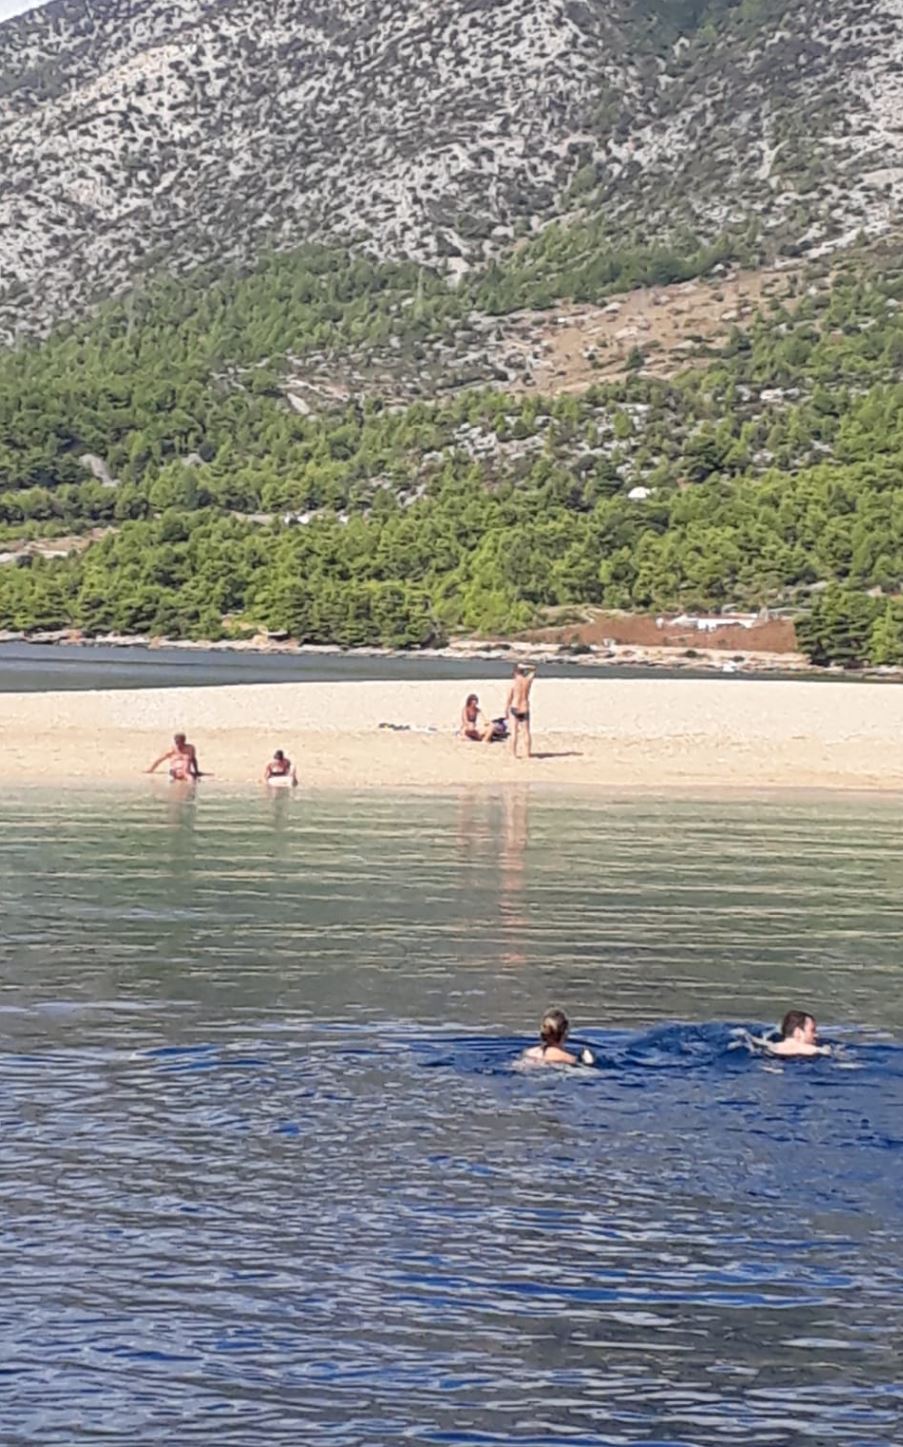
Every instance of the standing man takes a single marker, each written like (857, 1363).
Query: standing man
(183, 760)
(518, 706)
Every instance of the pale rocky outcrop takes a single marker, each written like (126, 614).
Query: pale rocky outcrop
(143, 134)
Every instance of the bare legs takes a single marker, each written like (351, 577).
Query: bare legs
(518, 726)
(478, 737)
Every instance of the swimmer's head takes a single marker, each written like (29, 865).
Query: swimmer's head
(797, 1025)
(178, 740)
(554, 1027)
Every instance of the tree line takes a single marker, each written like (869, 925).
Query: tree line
(773, 470)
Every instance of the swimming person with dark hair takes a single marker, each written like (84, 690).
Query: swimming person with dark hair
(553, 1031)
(799, 1036)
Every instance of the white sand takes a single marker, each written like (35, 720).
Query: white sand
(726, 734)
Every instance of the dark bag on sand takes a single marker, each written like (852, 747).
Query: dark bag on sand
(499, 730)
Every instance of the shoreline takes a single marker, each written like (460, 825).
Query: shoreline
(621, 735)
(690, 660)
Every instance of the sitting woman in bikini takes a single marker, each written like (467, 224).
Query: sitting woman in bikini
(553, 1032)
(474, 724)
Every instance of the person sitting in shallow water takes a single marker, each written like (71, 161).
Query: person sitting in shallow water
(280, 767)
(553, 1032)
(799, 1036)
(182, 759)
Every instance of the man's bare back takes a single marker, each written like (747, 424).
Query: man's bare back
(518, 705)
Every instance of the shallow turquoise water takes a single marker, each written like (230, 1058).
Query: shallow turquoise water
(267, 1175)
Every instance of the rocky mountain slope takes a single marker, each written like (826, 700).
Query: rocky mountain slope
(146, 134)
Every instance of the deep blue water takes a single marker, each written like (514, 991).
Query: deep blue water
(268, 1175)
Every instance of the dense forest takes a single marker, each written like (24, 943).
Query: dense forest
(770, 469)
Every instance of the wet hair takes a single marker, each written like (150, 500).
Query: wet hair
(179, 739)
(554, 1027)
(279, 754)
(794, 1020)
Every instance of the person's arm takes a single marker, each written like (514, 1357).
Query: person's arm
(194, 767)
(157, 762)
(294, 775)
(267, 773)
(509, 700)
(465, 724)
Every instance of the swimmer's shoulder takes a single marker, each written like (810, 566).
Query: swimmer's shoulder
(580, 1055)
(552, 1055)
(777, 1047)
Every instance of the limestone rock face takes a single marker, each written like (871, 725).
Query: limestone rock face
(143, 135)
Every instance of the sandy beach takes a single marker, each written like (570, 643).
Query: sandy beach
(659, 734)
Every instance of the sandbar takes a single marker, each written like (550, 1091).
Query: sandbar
(616, 734)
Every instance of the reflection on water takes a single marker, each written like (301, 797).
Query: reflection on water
(269, 1177)
(512, 906)
(492, 841)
